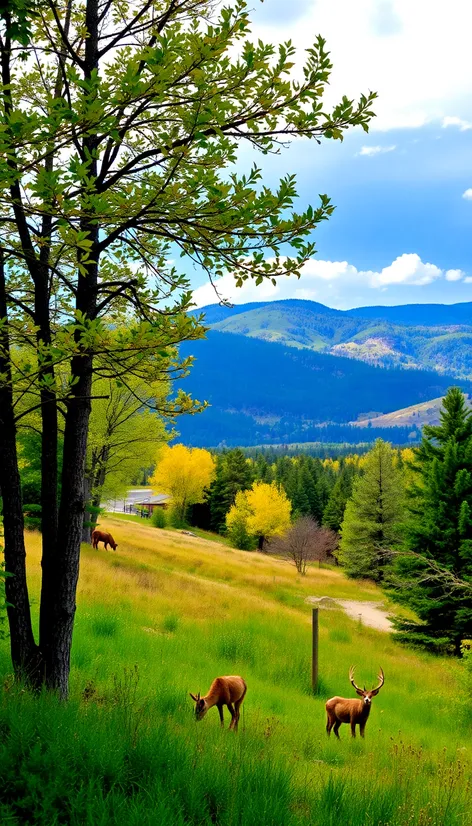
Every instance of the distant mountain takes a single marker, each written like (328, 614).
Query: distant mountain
(266, 393)
(375, 335)
(415, 315)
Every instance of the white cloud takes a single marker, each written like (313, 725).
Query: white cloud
(468, 280)
(454, 275)
(381, 45)
(406, 269)
(467, 194)
(376, 150)
(463, 125)
(326, 281)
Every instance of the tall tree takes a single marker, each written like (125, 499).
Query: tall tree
(117, 134)
(233, 473)
(373, 515)
(185, 473)
(341, 492)
(264, 510)
(439, 532)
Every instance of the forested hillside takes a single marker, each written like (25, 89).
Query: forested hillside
(435, 337)
(268, 393)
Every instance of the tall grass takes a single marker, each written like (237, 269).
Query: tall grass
(166, 614)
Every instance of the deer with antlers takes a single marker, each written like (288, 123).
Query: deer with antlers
(224, 691)
(355, 712)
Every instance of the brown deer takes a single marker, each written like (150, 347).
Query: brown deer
(224, 691)
(106, 538)
(355, 712)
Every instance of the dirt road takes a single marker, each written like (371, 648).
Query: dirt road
(369, 613)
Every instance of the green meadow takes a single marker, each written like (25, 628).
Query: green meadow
(164, 615)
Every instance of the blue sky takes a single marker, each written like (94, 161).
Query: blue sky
(401, 232)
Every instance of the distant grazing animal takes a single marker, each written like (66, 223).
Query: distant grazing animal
(106, 538)
(224, 691)
(354, 712)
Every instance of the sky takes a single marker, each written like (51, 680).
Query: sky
(401, 231)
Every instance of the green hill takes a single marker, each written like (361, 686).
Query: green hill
(164, 615)
(266, 393)
(396, 336)
(415, 416)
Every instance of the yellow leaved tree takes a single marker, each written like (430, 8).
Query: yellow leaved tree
(184, 473)
(262, 512)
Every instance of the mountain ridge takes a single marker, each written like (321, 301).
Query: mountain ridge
(264, 392)
(440, 346)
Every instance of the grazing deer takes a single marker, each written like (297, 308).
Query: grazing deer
(355, 712)
(224, 691)
(106, 538)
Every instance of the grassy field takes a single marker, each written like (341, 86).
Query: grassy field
(163, 616)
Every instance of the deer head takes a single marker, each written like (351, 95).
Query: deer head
(201, 707)
(367, 695)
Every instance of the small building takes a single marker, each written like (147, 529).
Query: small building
(149, 503)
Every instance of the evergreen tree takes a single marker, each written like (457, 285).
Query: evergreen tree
(333, 513)
(299, 498)
(439, 530)
(233, 473)
(323, 490)
(373, 515)
(307, 482)
(263, 471)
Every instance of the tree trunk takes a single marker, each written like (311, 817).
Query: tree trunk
(260, 543)
(24, 652)
(88, 517)
(56, 638)
(49, 469)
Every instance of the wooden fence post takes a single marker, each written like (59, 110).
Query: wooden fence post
(314, 650)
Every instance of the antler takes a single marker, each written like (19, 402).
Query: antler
(380, 677)
(351, 677)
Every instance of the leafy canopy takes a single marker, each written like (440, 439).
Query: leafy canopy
(264, 509)
(185, 473)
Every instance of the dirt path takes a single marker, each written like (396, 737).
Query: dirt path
(369, 613)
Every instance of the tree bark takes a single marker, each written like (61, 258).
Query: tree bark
(88, 517)
(56, 639)
(24, 652)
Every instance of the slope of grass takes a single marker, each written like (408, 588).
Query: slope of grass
(416, 414)
(163, 616)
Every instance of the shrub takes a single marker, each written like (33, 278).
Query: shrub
(158, 518)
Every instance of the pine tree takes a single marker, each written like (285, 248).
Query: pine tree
(333, 513)
(233, 473)
(373, 516)
(217, 495)
(299, 498)
(307, 482)
(439, 530)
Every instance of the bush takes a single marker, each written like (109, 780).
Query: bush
(239, 537)
(175, 519)
(158, 518)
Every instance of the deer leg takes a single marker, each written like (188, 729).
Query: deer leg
(234, 720)
(353, 728)
(106, 546)
(220, 710)
(329, 725)
(237, 707)
(336, 728)
(361, 729)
